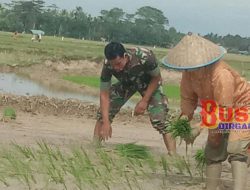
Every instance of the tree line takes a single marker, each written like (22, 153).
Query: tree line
(147, 26)
(233, 43)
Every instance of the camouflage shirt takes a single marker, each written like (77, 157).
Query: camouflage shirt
(142, 66)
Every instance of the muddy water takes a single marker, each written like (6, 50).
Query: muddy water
(19, 85)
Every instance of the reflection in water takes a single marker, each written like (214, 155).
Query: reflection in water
(13, 84)
(17, 85)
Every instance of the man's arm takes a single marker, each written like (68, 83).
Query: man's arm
(104, 102)
(189, 101)
(143, 104)
(105, 84)
(153, 85)
(152, 68)
(106, 130)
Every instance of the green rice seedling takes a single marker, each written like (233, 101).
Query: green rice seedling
(52, 165)
(54, 172)
(138, 158)
(118, 169)
(200, 157)
(137, 184)
(183, 166)
(200, 160)
(141, 167)
(51, 153)
(73, 169)
(59, 154)
(4, 181)
(163, 183)
(19, 168)
(106, 184)
(9, 113)
(128, 181)
(180, 128)
(132, 150)
(152, 163)
(132, 166)
(56, 175)
(165, 165)
(82, 169)
(54, 169)
(47, 154)
(105, 159)
(44, 148)
(119, 165)
(26, 151)
(187, 165)
(89, 162)
(179, 164)
(62, 159)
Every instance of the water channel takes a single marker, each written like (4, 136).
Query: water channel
(18, 85)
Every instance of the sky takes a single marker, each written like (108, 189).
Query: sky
(198, 16)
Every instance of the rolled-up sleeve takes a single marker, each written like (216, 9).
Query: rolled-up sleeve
(105, 79)
(105, 85)
(151, 65)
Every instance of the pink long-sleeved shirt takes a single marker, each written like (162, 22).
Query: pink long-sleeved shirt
(217, 82)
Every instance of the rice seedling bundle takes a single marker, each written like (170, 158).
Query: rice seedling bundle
(180, 128)
(131, 150)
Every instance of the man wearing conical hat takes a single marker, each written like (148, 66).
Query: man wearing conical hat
(225, 99)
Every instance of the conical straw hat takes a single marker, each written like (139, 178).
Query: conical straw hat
(193, 52)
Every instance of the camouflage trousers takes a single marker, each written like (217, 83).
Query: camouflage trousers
(157, 108)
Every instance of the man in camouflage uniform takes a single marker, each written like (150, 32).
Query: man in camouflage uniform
(137, 71)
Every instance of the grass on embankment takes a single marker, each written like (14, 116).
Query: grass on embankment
(91, 81)
(172, 91)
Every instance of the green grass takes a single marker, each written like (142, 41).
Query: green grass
(91, 81)
(200, 160)
(172, 91)
(9, 113)
(180, 128)
(240, 63)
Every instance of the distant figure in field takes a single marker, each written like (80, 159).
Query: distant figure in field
(36, 37)
(39, 37)
(15, 35)
(103, 39)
